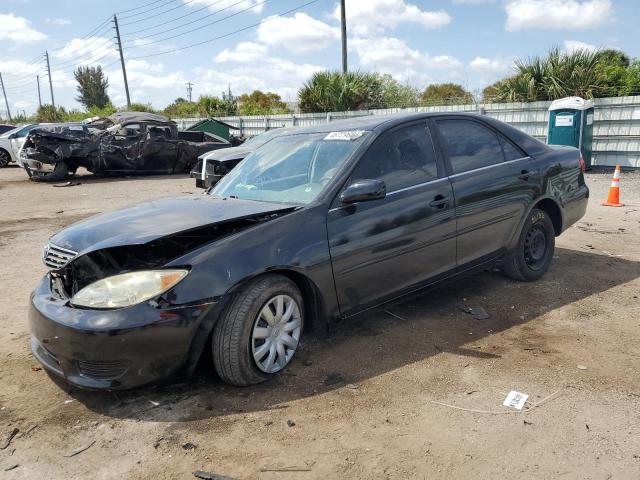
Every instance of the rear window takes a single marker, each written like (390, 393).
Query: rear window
(469, 145)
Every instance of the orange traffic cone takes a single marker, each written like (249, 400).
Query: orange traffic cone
(613, 200)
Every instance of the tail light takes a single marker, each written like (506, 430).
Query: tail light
(583, 166)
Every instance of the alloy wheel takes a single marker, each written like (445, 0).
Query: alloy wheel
(276, 333)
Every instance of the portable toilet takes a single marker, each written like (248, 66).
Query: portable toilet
(571, 123)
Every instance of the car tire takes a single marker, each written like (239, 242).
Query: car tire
(531, 258)
(60, 173)
(5, 158)
(242, 332)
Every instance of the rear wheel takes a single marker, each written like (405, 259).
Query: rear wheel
(60, 173)
(531, 258)
(5, 158)
(259, 331)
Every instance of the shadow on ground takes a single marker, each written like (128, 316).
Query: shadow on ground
(379, 342)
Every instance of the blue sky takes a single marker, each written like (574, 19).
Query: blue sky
(471, 42)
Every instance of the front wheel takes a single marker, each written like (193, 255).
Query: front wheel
(5, 158)
(258, 333)
(531, 258)
(60, 173)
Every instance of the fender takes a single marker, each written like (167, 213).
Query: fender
(513, 242)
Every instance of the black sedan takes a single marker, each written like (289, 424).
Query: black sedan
(316, 225)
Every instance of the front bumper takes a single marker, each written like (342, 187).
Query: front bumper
(37, 166)
(112, 349)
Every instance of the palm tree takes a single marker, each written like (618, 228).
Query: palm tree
(558, 75)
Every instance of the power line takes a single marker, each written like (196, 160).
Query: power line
(186, 47)
(154, 15)
(202, 26)
(147, 11)
(172, 20)
(138, 8)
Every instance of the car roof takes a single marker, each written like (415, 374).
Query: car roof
(131, 117)
(382, 122)
(373, 122)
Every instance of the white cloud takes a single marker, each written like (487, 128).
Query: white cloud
(244, 52)
(18, 29)
(365, 17)
(18, 68)
(61, 22)
(486, 71)
(231, 5)
(88, 50)
(300, 33)
(272, 74)
(394, 56)
(144, 66)
(491, 65)
(557, 14)
(573, 45)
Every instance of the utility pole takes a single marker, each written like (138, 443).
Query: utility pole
(39, 97)
(189, 90)
(124, 70)
(53, 102)
(5, 97)
(343, 27)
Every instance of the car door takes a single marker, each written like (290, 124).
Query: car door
(381, 247)
(494, 183)
(160, 150)
(122, 153)
(17, 140)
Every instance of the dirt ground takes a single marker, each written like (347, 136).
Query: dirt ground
(363, 402)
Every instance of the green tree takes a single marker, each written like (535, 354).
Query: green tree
(50, 114)
(445, 94)
(399, 95)
(261, 103)
(335, 91)
(209, 106)
(559, 74)
(181, 108)
(92, 86)
(139, 107)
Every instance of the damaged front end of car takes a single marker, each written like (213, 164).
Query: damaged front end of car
(128, 314)
(54, 151)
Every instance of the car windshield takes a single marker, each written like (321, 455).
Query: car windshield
(290, 169)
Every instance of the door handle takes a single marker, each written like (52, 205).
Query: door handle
(524, 175)
(439, 201)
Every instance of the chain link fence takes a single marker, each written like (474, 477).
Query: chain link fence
(616, 129)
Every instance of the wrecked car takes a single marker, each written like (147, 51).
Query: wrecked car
(126, 142)
(317, 225)
(212, 166)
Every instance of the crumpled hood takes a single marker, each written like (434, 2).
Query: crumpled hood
(149, 221)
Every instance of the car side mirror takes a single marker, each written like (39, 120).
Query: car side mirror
(12, 136)
(364, 190)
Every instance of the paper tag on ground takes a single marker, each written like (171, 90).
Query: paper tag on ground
(346, 135)
(515, 400)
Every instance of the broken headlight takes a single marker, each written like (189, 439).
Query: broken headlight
(127, 289)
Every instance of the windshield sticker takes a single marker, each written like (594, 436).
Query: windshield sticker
(348, 135)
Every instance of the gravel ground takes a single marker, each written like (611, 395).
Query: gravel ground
(376, 399)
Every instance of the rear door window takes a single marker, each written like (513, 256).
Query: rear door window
(469, 145)
(510, 150)
(402, 158)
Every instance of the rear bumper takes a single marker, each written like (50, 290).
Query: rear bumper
(575, 207)
(111, 349)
